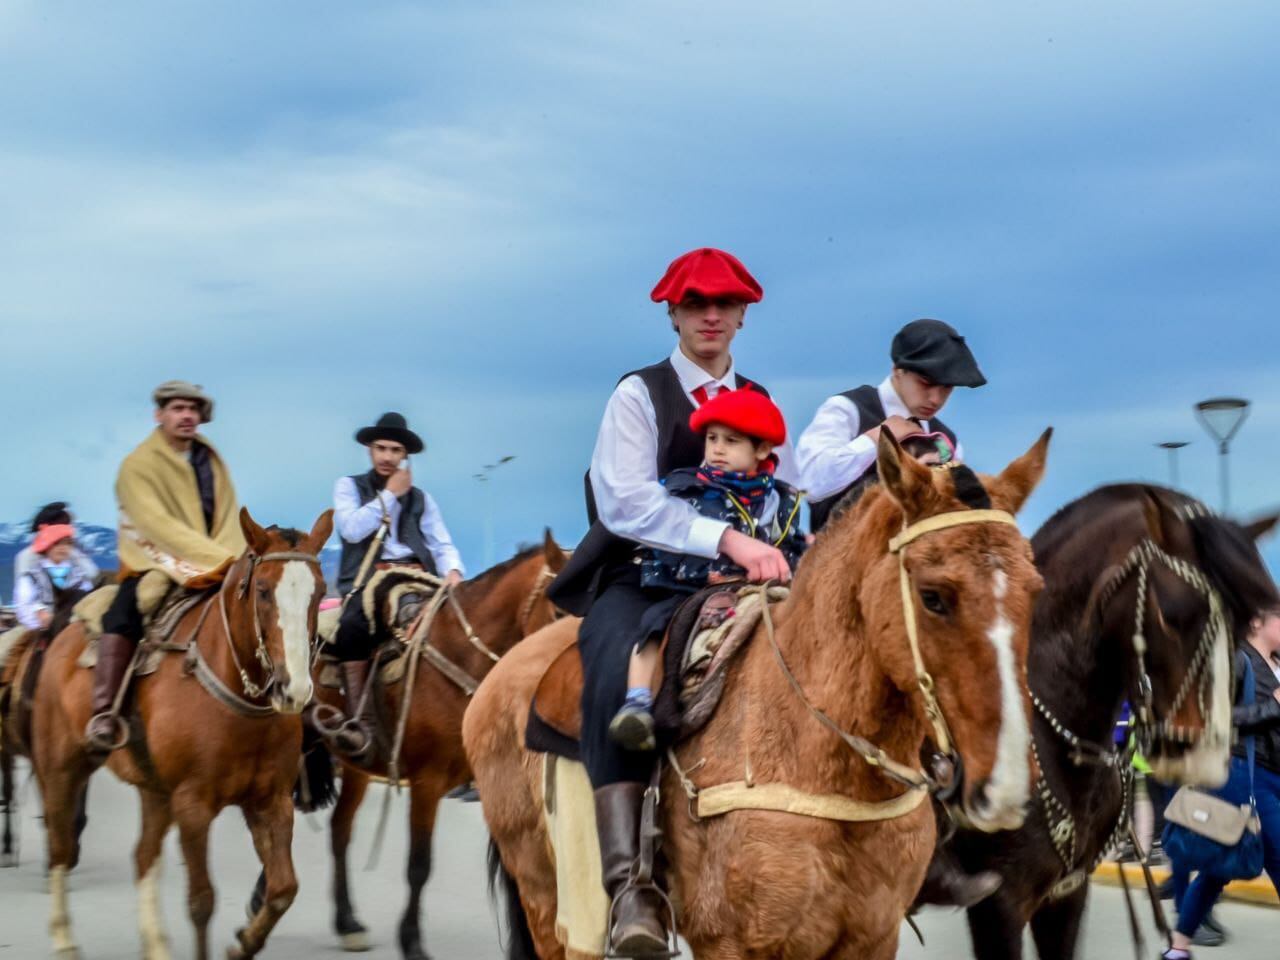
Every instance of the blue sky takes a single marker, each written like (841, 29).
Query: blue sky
(324, 210)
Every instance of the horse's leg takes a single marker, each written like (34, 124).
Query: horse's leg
(8, 845)
(82, 815)
(1056, 926)
(351, 932)
(194, 816)
(59, 787)
(272, 829)
(148, 860)
(425, 792)
(996, 930)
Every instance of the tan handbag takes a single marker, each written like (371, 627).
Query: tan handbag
(1208, 816)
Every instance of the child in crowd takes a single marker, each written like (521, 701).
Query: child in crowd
(54, 571)
(735, 484)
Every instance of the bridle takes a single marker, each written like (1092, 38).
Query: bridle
(247, 582)
(942, 779)
(1149, 726)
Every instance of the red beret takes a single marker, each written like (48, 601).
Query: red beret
(709, 273)
(747, 411)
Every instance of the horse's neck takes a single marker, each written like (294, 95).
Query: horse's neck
(823, 644)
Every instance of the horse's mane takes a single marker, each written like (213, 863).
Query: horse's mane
(288, 534)
(498, 570)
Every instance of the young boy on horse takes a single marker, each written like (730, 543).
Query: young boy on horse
(384, 520)
(735, 484)
(55, 572)
(28, 559)
(645, 435)
(837, 451)
(178, 516)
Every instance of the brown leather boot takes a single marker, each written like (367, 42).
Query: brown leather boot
(104, 731)
(638, 926)
(354, 739)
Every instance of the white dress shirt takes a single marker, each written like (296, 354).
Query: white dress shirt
(834, 450)
(630, 500)
(356, 522)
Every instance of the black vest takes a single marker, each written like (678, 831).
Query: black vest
(870, 413)
(576, 587)
(409, 532)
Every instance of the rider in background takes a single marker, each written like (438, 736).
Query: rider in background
(385, 520)
(54, 572)
(178, 516)
(837, 451)
(28, 558)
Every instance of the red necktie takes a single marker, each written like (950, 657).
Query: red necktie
(700, 395)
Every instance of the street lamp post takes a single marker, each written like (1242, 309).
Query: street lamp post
(485, 477)
(1173, 446)
(1222, 417)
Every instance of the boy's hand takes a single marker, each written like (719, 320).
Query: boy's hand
(400, 482)
(761, 561)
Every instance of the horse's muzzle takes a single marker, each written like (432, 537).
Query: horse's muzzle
(288, 697)
(988, 813)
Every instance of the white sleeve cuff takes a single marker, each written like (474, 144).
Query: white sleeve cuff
(704, 537)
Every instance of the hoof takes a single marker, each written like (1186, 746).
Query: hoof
(67, 953)
(8, 860)
(238, 950)
(357, 941)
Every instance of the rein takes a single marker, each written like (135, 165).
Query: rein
(199, 667)
(710, 801)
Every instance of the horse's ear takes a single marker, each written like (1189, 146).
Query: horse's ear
(1259, 528)
(258, 539)
(551, 551)
(320, 532)
(908, 481)
(1015, 483)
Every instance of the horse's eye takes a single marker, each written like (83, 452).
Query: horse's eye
(264, 592)
(933, 602)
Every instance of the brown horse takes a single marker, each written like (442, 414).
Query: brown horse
(191, 754)
(503, 604)
(764, 883)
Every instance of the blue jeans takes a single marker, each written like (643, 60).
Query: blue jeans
(1194, 905)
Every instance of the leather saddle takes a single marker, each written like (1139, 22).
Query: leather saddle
(698, 651)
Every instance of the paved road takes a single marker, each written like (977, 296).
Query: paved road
(460, 922)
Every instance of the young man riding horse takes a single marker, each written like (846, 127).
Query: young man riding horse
(384, 520)
(178, 516)
(837, 451)
(645, 435)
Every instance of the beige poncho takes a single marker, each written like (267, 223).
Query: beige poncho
(162, 523)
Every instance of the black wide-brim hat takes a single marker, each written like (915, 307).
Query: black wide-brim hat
(393, 427)
(934, 349)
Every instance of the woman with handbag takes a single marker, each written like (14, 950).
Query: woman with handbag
(1253, 789)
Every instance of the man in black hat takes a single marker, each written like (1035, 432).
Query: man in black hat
(384, 520)
(837, 451)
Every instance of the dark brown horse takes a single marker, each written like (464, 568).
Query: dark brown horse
(1123, 561)
(216, 728)
(17, 694)
(503, 605)
(780, 881)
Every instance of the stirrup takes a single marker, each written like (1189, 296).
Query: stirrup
(97, 745)
(669, 928)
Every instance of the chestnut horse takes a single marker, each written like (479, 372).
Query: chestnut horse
(766, 883)
(1124, 560)
(17, 693)
(191, 754)
(503, 605)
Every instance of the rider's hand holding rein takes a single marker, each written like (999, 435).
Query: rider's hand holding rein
(761, 560)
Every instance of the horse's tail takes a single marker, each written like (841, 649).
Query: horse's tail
(520, 938)
(314, 788)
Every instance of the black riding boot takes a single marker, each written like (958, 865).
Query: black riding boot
(104, 730)
(638, 928)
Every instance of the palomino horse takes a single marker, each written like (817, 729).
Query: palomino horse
(1145, 592)
(17, 691)
(762, 883)
(190, 755)
(503, 604)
